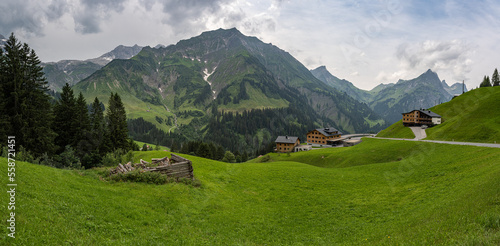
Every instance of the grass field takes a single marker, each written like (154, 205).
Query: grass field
(378, 192)
(397, 130)
(471, 117)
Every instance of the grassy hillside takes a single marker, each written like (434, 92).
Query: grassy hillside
(397, 130)
(472, 117)
(387, 192)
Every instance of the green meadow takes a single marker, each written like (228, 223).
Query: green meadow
(380, 192)
(471, 117)
(396, 130)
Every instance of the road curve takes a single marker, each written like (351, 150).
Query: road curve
(491, 145)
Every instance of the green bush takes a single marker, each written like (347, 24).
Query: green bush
(265, 158)
(150, 178)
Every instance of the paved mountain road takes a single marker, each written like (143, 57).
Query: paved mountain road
(492, 145)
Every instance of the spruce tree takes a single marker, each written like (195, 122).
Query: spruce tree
(25, 105)
(495, 80)
(4, 120)
(117, 123)
(97, 124)
(82, 142)
(65, 122)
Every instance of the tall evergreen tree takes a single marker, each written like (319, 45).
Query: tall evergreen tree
(495, 80)
(97, 123)
(65, 122)
(4, 120)
(25, 104)
(117, 123)
(82, 142)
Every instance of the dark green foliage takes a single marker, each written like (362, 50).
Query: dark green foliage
(97, 125)
(203, 149)
(68, 159)
(145, 131)
(238, 132)
(486, 82)
(24, 102)
(66, 128)
(83, 136)
(495, 79)
(151, 178)
(65, 121)
(117, 123)
(229, 157)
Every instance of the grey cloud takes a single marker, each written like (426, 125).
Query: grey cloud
(256, 26)
(184, 15)
(450, 56)
(31, 16)
(28, 16)
(87, 23)
(91, 13)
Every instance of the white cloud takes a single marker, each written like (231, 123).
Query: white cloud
(449, 57)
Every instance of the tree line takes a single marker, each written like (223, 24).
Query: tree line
(62, 132)
(495, 80)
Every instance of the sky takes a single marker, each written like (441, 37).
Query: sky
(365, 42)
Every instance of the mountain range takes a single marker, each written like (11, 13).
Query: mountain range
(226, 68)
(184, 87)
(390, 100)
(73, 71)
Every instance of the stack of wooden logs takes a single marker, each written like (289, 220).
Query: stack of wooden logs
(177, 166)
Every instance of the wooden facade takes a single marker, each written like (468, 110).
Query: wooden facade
(286, 144)
(323, 136)
(421, 117)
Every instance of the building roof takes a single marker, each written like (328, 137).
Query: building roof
(286, 139)
(426, 112)
(330, 131)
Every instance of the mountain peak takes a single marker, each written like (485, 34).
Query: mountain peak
(431, 75)
(223, 32)
(321, 68)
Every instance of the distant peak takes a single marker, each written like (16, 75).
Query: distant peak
(430, 71)
(221, 30)
(320, 68)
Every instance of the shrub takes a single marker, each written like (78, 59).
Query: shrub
(265, 158)
(68, 159)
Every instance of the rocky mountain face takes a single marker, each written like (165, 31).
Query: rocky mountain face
(390, 100)
(455, 89)
(73, 71)
(341, 84)
(224, 70)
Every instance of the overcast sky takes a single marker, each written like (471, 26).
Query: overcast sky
(365, 42)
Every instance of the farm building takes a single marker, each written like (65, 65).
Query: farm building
(286, 143)
(324, 136)
(421, 117)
